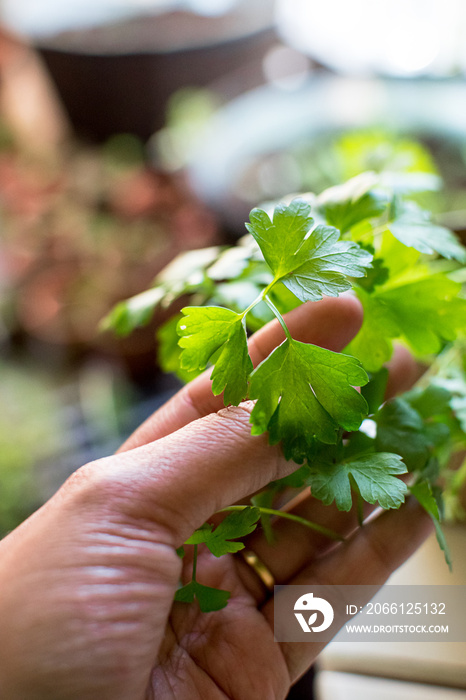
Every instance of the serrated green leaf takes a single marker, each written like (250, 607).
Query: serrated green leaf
(354, 201)
(422, 491)
(378, 275)
(303, 392)
(169, 352)
(373, 344)
(219, 540)
(398, 258)
(443, 544)
(374, 390)
(400, 429)
(311, 265)
(200, 535)
(327, 262)
(425, 313)
(209, 330)
(232, 368)
(203, 330)
(357, 443)
(428, 311)
(184, 274)
(280, 238)
(430, 401)
(187, 270)
(431, 472)
(414, 228)
(132, 313)
(376, 476)
(209, 599)
(231, 262)
(453, 381)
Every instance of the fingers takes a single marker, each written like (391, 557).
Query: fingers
(330, 323)
(369, 557)
(403, 371)
(375, 550)
(177, 482)
(294, 544)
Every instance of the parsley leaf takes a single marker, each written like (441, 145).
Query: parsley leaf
(376, 476)
(373, 344)
(356, 200)
(132, 313)
(428, 311)
(184, 274)
(424, 312)
(304, 391)
(414, 228)
(455, 384)
(400, 429)
(209, 599)
(375, 389)
(310, 265)
(327, 262)
(281, 238)
(422, 491)
(169, 351)
(417, 438)
(211, 330)
(378, 275)
(433, 400)
(237, 524)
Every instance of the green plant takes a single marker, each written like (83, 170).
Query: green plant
(367, 234)
(30, 432)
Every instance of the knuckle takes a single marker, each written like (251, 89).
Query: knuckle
(229, 424)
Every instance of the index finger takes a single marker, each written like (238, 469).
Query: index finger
(330, 323)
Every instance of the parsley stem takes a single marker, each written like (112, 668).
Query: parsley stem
(374, 232)
(254, 303)
(194, 562)
(440, 363)
(295, 518)
(259, 298)
(277, 313)
(360, 505)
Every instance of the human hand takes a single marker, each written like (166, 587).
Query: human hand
(87, 583)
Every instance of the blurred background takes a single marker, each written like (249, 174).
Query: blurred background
(132, 130)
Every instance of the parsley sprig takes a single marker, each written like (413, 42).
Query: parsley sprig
(367, 234)
(302, 392)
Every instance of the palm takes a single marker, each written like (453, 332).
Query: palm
(229, 653)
